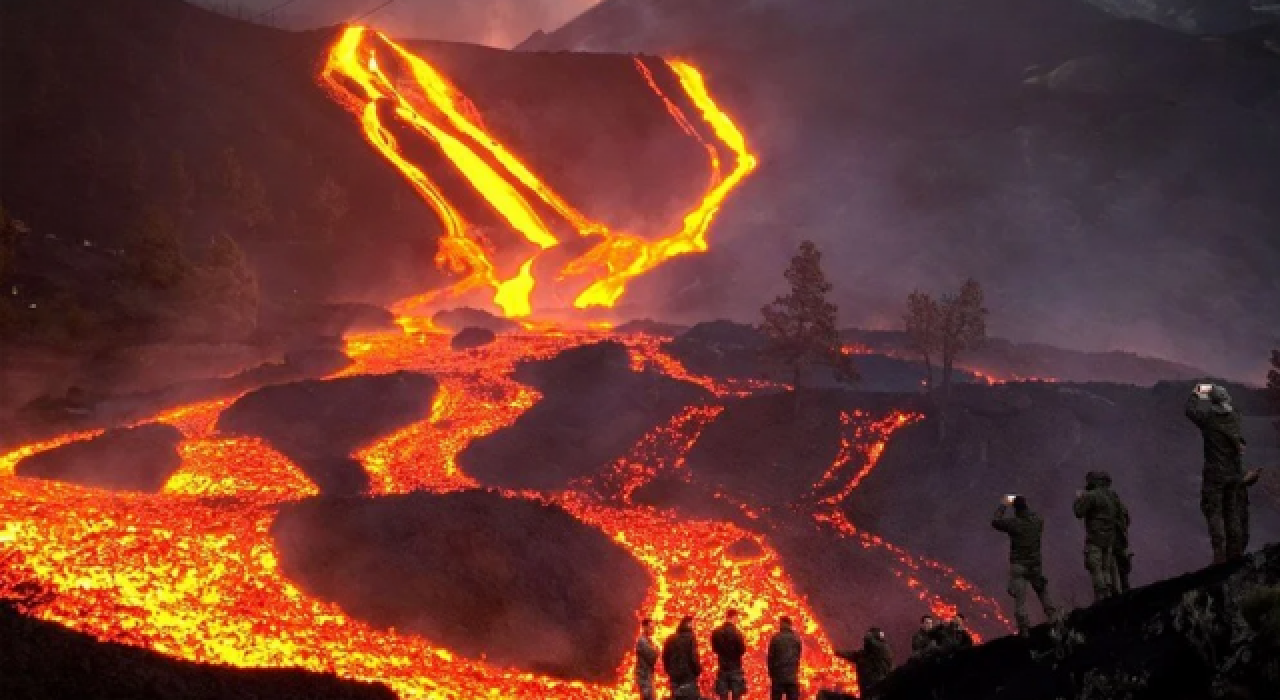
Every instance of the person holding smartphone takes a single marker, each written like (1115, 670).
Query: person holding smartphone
(1224, 489)
(1024, 529)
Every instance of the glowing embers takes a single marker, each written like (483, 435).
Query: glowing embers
(377, 78)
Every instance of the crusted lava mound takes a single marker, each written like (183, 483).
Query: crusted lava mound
(319, 423)
(466, 317)
(765, 451)
(124, 459)
(472, 337)
(521, 583)
(594, 408)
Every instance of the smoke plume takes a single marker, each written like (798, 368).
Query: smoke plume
(498, 23)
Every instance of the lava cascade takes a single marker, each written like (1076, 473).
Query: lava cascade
(376, 78)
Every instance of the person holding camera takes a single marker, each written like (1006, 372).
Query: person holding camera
(1024, 529)
(1224, 489)
(874, 661)
(1099, 508)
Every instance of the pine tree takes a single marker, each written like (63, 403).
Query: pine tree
(963, 326)
(227, 284)
(801, 326)
(1273, 384)
(330, 204)
(156, 253)
(946, 329)
(923, 318)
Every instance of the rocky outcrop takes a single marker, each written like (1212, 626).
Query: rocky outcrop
(1208, 634)
(461, 318)
(41, 659)
(319, 423)
(593, 409)
(520, 583)
(124, 459)
(472, 337)
(651, 327)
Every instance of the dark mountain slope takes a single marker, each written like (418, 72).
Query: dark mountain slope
(1109, 181)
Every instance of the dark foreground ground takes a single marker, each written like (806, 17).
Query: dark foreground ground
(45, 661)
(1214, 633)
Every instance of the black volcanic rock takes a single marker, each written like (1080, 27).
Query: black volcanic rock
(760, 452)
(720, 349)
(460, 319)
(319, 423)
(650, 327)
(123, 459)
(522, 583)
(472, 337)
(40, 659)
(1211, 633)
(594, 408)
(690, 500)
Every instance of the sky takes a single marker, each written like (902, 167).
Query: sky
(497, 23)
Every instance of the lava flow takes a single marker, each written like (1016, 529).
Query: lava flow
(192, 571)
(361, 72)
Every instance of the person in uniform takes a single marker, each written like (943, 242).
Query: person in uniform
(1024, 529)
(646, 661)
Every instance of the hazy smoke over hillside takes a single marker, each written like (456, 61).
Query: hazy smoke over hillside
(500, 23)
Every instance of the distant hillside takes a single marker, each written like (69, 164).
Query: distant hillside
(1003, 359)
(1110, 182)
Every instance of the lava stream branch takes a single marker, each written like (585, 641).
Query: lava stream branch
(433, 108)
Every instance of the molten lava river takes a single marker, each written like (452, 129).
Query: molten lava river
(191, 571)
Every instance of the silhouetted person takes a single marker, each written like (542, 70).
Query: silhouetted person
(1224, 494)
(874, 660)
(924, 642)
(1025, 568)
(680, 661)
(1099, 508)
(784, 662)
(729, 647)
(646, 661)
(1120, 548)
(957, 634)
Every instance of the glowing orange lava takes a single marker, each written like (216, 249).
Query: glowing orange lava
(436, 110)
(196, 577)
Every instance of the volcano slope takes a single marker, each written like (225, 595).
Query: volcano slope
(919, 142)
(513, 581)
(167, 124)
(935, 498)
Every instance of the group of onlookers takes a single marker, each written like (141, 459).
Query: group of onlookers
(1224, 502)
